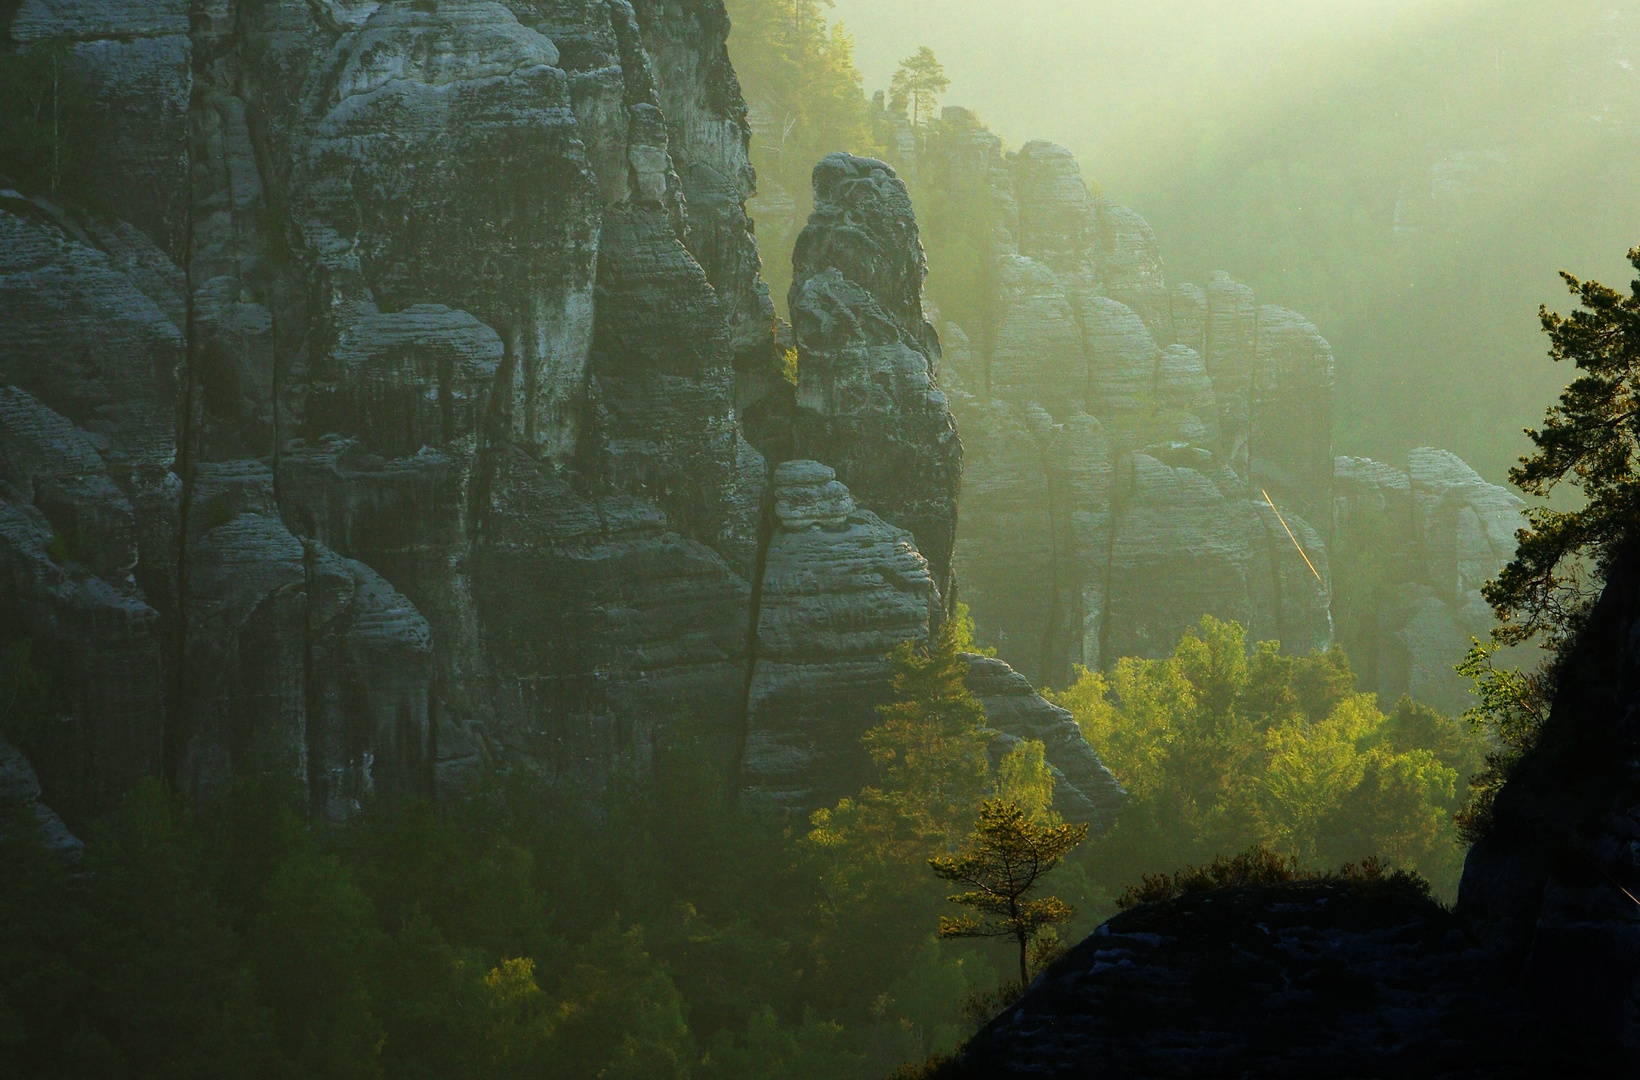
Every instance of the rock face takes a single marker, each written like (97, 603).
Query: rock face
(1084, 790)
(1440, 532)
(20, 795)
(868, 396)
(841, 587)
(384, 422)
(1551, 886)
(1126, 438)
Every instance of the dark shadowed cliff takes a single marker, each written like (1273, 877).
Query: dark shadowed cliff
(388, 394)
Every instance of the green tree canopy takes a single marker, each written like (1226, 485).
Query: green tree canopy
(1590, 441)
(1222, 748)
(917, 86)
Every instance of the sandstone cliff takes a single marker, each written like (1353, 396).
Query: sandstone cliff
(393, 394)
(1138, 452)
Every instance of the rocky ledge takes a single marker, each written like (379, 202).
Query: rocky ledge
(1322, 979)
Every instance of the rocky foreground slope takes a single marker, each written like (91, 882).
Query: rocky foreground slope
(377, 405)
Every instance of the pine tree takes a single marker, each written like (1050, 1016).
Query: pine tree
(1590, 440)
(918, 85)
(1005, 859)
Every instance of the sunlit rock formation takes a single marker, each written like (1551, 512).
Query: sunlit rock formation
(868, 395)
(841, 587)
(1138, 454)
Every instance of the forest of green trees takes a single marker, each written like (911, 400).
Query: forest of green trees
(508, 933)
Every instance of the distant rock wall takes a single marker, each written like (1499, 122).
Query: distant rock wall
(1139, 454)
(1439, 532)
(1123, 435)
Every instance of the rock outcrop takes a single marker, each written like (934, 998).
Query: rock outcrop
(841, 587)
(868, 394)
(1551, 885)
(402, 433)
(1308, 980)
(410, 404)
(21, 808)
(1084, 790)
(1436, 533)
(1138, 455)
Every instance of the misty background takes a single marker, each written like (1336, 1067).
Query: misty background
(1409, 174)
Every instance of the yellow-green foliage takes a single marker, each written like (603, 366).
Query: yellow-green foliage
(1222, 750)
(1024, 779)
(1261, 866)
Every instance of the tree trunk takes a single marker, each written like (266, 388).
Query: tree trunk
(1024, 972)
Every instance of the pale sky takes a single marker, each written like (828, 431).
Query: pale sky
(1121, 80)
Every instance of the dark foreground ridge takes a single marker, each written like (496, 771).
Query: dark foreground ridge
(1535, 973)
(1310, 979)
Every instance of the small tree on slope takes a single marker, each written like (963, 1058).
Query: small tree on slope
(1005, 858)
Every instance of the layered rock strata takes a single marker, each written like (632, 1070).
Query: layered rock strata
(841, 588)
(383, 422)
(1438, 532)
(868, 393)
(1139, 454)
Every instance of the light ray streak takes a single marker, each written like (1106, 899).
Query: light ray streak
(1290, 536)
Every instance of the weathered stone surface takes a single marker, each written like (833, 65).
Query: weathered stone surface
(1082, 334)
(83, 337)
(1443, 532)
(1037, 352)
(134, 58)
(868, 397)
(20, 793)
(296, 662)
(443, 449)
(1122, 361)
(1181, 550)
(709, 135)
(99, 645)
(1468, 525)
(1290, 436)
(837, 595)
(1084, 790)
(53, 465)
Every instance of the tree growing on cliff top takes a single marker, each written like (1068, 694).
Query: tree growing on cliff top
(1590, 440)
(918, 85)
(1002, 864)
